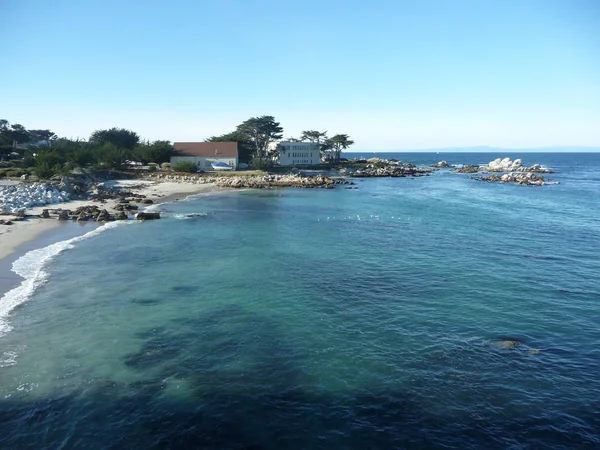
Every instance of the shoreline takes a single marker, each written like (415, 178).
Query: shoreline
(13, 238)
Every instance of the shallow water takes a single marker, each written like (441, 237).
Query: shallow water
(369, 318)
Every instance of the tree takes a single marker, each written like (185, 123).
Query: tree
(19, 133)
(245, 144)
(42, 135)
(314, 136)
(261, 131)
(338, 143)
(157, 152)
(110, 156)
(119, 137)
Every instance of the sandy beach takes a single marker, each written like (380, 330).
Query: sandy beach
(22, 231)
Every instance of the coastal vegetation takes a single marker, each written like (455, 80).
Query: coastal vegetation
(185, 166)
(43, 154)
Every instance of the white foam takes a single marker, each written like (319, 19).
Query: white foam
(189, 216)
(31, 267)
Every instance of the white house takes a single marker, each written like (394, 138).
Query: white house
(206, 153)
(299, 153)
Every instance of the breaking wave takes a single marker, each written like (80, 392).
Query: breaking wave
(31, 267)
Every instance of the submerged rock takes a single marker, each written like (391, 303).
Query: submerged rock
(147, 216)
(509, 343)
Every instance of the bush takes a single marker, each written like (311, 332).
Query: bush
(261, 164)
(44, 170)
(152, 167)
(165, 166)
(185, 166)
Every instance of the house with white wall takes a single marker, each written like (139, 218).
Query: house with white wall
(299, 153)
(203, 154)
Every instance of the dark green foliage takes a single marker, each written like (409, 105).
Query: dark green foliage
(261, 164)
(48, 163)
(261, 131)
(185, 166)
(314, 136)
(333, 147)
(109, 156)
(245, 145)
(118, 137)
(157, 152)
(82, 156)
(41, 135)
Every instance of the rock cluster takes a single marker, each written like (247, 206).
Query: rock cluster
(377, 167)
(503, 165)
(467, 169)
(441, 165)
(506, 165)
(17, 198)
(526, 179)
(257, 181)
(83, 214)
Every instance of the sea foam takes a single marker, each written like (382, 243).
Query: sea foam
(31, 267)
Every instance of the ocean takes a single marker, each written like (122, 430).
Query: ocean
(369, 318)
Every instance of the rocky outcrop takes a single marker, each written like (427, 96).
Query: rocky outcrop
(390, 168)
(467, 169)
(526, 179)
(441, 165)
(505, 165)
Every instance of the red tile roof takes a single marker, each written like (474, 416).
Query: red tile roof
(227, 149)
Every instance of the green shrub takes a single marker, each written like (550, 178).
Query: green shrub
(44, 170)
(165, 166)
(185, 166)
(261, 164)
(152, 167)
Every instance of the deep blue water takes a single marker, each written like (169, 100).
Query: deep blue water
(297, 319)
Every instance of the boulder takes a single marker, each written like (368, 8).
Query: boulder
(63, 214)
(147, 216)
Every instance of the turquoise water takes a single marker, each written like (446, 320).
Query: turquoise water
(292, 319)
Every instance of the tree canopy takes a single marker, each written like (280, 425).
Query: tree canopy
(245, 144)
(261, 131)
(119, 137)
(313, 136)
(333, 146)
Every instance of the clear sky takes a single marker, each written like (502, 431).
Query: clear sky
(393, 74)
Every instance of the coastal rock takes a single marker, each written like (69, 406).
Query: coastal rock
(121, 216)
(467, 169)
(441, 165)
(147, 216)
(103, 216)
(19, 197)
(63, 214)
(525, 179)
(377, 167)
(509, 343)
(503, 165)
(45, 214)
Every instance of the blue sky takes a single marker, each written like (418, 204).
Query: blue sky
(394, 75)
